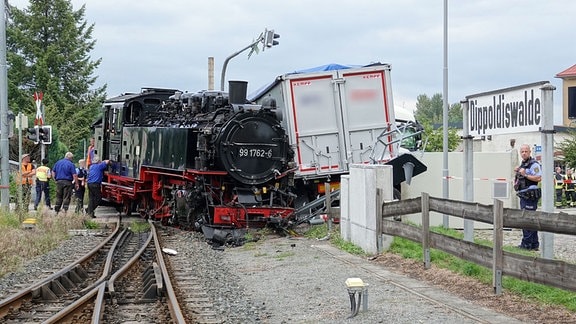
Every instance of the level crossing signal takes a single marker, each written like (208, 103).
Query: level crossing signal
(40, 134)
(270, 38)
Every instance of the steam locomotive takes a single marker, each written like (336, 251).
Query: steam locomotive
(204, 161)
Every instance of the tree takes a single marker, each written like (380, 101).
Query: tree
(48, 46)
(431, 110)
(434, 139)
(568, 148)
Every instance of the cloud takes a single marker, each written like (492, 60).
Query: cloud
(491, 44)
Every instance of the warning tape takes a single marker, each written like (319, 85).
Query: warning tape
(476, 179)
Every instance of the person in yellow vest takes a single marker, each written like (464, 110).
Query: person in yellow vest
(43, 175)
(558, 186)
(569, 184)
(27, 173)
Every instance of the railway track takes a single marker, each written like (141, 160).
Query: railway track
(189, 287)
(122, 279)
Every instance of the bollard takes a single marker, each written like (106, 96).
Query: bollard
(355, 287)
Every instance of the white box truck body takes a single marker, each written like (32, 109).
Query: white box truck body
(337, 116)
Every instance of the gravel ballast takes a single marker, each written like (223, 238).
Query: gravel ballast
(295, 280)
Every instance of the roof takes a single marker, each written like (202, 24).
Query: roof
(569, 72)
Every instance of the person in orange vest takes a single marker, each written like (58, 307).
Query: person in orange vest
(90, 155)
(558, 186)
(569, 183)
(27, 173)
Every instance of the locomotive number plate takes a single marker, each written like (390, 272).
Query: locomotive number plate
(255, 153)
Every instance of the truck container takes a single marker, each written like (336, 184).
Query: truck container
(341, 115)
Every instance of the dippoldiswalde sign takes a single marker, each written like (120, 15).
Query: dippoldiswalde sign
(511, 110)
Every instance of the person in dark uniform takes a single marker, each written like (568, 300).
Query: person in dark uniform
(64, 172)
(558, 186)
(94, 180)
(528, 175)
(80, 191)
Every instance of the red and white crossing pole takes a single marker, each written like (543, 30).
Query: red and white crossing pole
(39, 122)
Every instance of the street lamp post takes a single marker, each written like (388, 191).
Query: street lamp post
(267, 38)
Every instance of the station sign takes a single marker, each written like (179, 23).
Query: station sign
(511, 110)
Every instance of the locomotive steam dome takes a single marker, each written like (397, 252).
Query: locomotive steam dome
(253, 147)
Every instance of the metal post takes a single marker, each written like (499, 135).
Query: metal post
(223, 76)
(468, 170)
(4, 147)
(445, 187)
(21, 120)
(547, 164)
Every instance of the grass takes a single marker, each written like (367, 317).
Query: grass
(283, 255)
(19, 244)
(529, 290)
(321, 231)
(139, 227)
(412, 250)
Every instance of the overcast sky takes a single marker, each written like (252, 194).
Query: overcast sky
(492, 44)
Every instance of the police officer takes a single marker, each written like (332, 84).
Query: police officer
(558, 186)
(569, 183)
(528, 175)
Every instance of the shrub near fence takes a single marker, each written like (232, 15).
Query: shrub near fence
(549, 272)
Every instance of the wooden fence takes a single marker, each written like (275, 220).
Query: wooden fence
(534, 269)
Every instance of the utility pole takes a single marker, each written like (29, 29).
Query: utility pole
(4, 131)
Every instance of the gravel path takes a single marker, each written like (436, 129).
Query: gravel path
(303, 281)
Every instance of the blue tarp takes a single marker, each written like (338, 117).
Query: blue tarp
(328, 67)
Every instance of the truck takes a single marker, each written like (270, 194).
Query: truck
(339, 115)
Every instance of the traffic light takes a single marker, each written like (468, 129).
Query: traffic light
(33, 134)
(270, 38)
(45, 134)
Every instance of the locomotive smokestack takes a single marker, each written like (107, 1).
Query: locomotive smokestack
(211, 73)
(237, 91)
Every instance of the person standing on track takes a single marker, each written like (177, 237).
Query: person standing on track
(95, 176)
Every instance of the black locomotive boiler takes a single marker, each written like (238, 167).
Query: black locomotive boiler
(196, 160)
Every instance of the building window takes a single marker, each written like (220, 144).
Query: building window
(572, 102)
